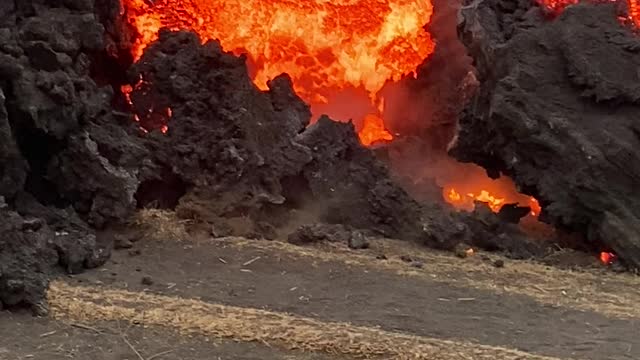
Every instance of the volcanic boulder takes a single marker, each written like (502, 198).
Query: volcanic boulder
(354, 187)
(27, 256)
(227, 143)
(557, 111)
(233, 151)
(66, 165)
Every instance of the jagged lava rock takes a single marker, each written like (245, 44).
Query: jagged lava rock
(65, 163)
(27, 255)
(236, 151)
(228, 143)
(557, 111)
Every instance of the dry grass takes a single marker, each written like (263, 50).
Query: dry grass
(603, 292)
(607, 293)
(161, 225)
(88, 304)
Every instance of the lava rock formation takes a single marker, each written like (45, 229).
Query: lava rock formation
(196, 135)
(67, 167)
(238, 152)
(557, 111)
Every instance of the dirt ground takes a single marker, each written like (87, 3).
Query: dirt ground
(240, 299)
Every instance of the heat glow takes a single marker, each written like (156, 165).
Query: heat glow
(471, 184)
(557, 6)
(495, 202)
(326, 46)
(607, 258)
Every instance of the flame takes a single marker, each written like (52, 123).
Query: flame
(326, 46)
(634, 11)
(607, 258)
(557, 6)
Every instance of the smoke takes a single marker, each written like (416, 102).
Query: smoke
(422, 110)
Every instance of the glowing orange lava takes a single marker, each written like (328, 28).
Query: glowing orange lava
(607, 258)
(325, 46)
(144, 124)
(466, 201)
(373, 131)
(473, 185)
(557, 6)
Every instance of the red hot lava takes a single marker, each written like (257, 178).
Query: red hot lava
(327, 47)
(330, 49)
(557, 6)
(607, 258)
(342, 47)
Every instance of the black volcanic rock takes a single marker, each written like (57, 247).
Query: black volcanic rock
(26, 259)
(66, 166)
(228, 143)
(355, 188)
(557, 111)
(237, 152)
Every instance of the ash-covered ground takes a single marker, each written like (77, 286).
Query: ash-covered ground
(194, 135)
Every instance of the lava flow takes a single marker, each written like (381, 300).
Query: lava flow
(471, 184)
(339, 54)
(325, 46)
(494, 201)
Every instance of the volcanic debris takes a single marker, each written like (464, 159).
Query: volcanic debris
(557, 111)
(67, 167)
(195, 135)
(206, 143)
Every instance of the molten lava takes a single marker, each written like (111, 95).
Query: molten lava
(325, 46)
(471, 184)
(495, 202)
(150, 117)
(557, 6)
(373, 131)
(607, 258)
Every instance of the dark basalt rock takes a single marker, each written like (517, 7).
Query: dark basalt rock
(27, 256)
(354, 187)
(228, 143)
(66, 167)
(557, 111)
(241, 152)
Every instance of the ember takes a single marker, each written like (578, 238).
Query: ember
(326, 47)
(149, 117)
(607, 258)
